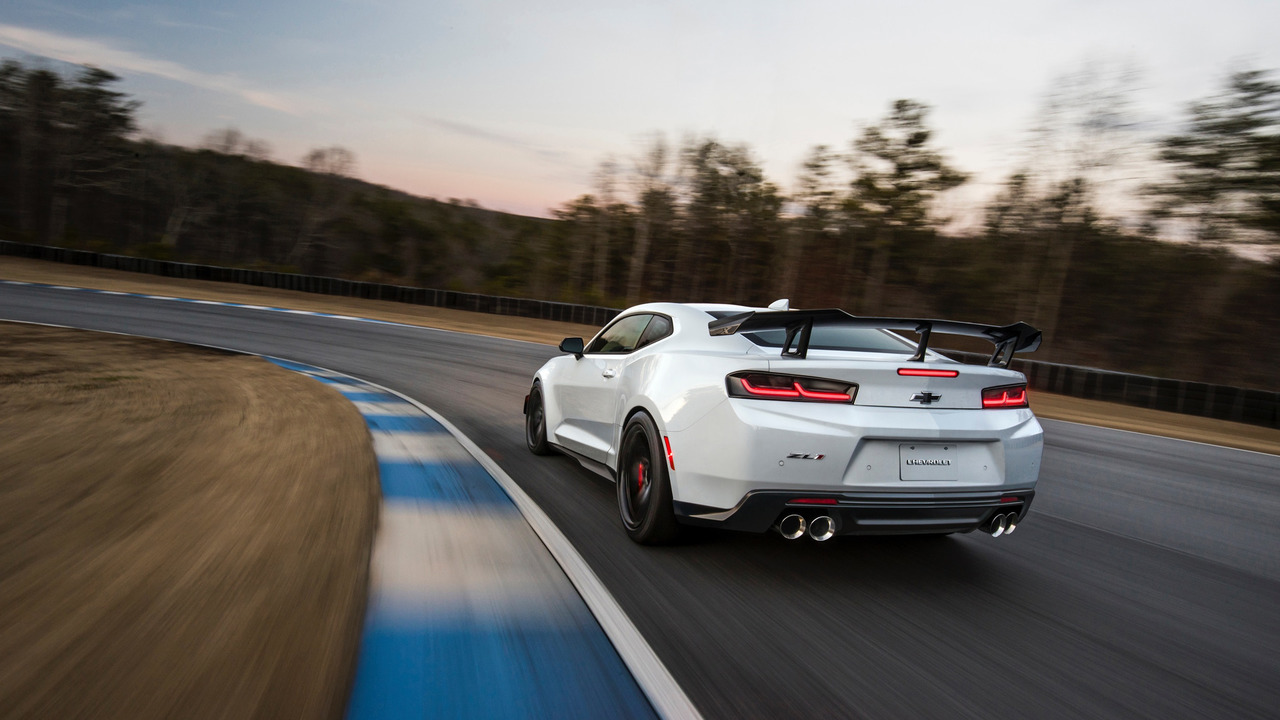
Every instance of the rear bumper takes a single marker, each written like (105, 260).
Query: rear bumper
(866, 513)
(745, 447)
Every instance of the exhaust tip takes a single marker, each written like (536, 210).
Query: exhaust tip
(1013, 524)
(999, 525)
(792, 527)
(822, 528)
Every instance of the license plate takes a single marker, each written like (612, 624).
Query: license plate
(928, 461)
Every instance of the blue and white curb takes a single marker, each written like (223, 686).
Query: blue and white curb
(470, 614)
(395, 671)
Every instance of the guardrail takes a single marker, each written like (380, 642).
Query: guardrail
(1223, 402)
(492, 304)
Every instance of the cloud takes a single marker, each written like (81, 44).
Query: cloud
(101, 54)
(560, 157)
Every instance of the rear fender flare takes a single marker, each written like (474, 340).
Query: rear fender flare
(646, 406)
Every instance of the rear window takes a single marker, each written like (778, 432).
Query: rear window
(659, 328)
(835, 337)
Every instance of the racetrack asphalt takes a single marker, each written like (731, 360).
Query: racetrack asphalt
(1144, 583)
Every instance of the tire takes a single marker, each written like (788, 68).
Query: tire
(644, 486)
(535, 424)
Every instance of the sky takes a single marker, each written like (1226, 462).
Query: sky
(514, 104)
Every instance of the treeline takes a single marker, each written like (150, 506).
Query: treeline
(698, 220)
(75, 173)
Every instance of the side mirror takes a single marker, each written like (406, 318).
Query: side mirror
(572, 345)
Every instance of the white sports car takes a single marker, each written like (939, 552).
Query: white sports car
(810, 422)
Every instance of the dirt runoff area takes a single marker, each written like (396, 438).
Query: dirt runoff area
(1057, 407)
(183, 532)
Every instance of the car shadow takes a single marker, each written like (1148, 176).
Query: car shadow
(902, 561)
(863, 560)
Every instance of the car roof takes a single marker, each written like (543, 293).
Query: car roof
(692, 331)
(688, 311)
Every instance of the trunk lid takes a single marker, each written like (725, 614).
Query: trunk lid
(881, 385)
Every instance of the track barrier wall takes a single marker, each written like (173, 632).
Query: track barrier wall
(1223, 402)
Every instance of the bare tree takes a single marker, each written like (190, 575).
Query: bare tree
(333, 165)
(1085, 137)
(653, 195)
(230, 141)
(333, 160)
(606, 184)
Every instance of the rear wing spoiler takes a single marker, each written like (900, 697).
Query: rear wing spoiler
(1008, 339)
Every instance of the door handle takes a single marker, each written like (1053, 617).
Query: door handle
(609, 373)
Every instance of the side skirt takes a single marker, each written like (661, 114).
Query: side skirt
(594, 466)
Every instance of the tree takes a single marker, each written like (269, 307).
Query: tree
(230, 141)
(334, 160)
(326, 194)
(1226, 164)
(65, 143)
(731, 221)
(1081, 146)
(819, 200)
(606, 182)
(655, 202)
(897, 174)
(94, 123)
(580, 217)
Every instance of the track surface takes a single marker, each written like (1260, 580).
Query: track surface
(1145, 583)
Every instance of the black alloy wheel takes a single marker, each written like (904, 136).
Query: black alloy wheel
(644, 487)
(535, 423)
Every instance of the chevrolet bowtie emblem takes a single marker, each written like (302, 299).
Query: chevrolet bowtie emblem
(925, 398)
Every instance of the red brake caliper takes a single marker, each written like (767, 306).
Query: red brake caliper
(639, 477)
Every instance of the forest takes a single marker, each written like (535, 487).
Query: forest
(1175, 285)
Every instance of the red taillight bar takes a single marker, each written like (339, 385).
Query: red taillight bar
(814, 501)
(819, 395)
(768, 392)
(796, 391)
(925, 372)
(1014, 396)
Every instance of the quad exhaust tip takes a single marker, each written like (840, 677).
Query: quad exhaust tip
(822, 528)
(1003, 524)
(792, 527)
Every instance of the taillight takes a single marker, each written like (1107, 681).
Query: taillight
(1007, 396)
(767, 386)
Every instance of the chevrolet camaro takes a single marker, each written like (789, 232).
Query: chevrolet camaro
(808, 422)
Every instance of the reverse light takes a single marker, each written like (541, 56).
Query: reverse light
(1007, 396)
(927, 372)
(768, 386)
